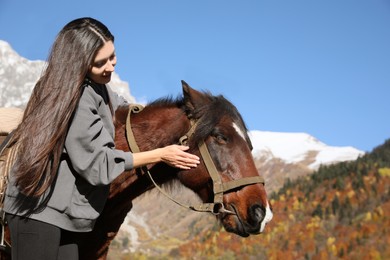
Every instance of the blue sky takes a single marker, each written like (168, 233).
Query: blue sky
(319, 67)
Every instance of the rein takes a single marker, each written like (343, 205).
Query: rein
(219, 187)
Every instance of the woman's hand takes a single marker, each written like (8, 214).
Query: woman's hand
(173, 155)
(176, 156)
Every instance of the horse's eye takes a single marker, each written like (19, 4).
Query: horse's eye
(220, 138)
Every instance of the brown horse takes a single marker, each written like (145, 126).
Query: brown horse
(212, 120)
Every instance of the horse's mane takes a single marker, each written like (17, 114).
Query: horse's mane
(208, 115)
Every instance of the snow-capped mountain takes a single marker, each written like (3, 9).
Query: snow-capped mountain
(19, 75)
(295, 148)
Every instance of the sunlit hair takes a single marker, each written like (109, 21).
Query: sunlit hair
(52, 104)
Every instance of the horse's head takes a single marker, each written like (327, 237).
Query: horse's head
(244, 207)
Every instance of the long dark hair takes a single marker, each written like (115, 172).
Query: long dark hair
(46, 119)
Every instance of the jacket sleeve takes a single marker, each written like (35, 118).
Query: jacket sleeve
(90, 144)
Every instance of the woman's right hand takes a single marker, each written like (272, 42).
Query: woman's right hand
(176, 156)
(173, 155)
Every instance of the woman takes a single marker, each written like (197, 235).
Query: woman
(67, 159)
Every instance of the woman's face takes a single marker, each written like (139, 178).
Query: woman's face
(103, 64)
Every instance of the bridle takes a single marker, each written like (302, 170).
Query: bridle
(216, 207)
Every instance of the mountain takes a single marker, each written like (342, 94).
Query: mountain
(156, 224)
(19, 75)
(282, 156)
(299, 148)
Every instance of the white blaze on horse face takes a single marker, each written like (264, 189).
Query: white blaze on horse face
(268, 213)
(239, 130)
(268, 216)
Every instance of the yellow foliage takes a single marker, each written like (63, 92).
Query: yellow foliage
(214, 239)
(295, 204)
(351, 194)
(368, 216)
(384, 172)
(375, 255)
(227, 237)
(333, 250)
(314, 223)
(281, 228)
(369, 179)
(378, 213)
(330, 241)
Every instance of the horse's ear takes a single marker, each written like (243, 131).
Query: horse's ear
(192, 98)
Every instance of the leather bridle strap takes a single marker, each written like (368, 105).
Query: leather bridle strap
(134, 108)
(220, 187)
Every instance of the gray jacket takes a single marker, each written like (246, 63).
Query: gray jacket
(89, 164)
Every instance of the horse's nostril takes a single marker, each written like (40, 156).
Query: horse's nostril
(260, 213)
(257, 214)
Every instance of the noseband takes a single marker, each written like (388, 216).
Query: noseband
(219, 187)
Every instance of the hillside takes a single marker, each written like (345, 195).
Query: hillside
(340, 211)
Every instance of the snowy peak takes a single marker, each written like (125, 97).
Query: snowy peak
(299, 148)
(19, 75)
(10, 55)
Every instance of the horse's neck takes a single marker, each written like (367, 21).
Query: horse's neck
(160, 127)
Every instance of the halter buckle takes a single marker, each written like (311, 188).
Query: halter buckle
(219, 208)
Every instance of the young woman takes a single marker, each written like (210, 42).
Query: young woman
(67, 157)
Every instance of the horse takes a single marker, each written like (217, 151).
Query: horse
(226, 180)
